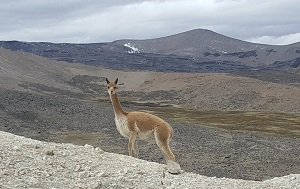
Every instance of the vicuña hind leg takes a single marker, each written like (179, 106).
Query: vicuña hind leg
(132, 145)
(162, 140)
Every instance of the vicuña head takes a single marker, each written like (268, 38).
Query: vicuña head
(111, 86)
(142, 125)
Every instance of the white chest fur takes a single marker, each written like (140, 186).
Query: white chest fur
(122, 125)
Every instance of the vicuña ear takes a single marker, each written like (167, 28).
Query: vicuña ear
(116, 81)
(107, 81)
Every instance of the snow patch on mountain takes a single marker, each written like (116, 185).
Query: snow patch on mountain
(133, 49)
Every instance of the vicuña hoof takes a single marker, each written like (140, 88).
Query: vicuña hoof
(173, 167)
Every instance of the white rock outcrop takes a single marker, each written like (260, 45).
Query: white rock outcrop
(27, 163)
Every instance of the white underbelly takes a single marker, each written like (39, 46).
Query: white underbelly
(122, 125)
(148, 135)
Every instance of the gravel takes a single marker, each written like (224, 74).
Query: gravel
(27, 163)
(206, 151)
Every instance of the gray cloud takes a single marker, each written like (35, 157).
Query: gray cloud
(269, 21)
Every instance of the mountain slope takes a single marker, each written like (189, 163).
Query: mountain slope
(192, 51)
(276, 91)
(206, 44)
(18, 70)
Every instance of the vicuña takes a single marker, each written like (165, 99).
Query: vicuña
(133, 125)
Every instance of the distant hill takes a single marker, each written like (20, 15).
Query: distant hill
(255, 90)
(206, 45)
(192, 51)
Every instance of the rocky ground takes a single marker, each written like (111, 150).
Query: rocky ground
(199, 149)
(27, 163)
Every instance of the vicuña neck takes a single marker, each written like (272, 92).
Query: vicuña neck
(116, 105)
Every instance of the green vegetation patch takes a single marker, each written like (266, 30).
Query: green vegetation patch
(278, 123)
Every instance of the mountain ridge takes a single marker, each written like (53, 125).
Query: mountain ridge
(197, 50)
(198, 42)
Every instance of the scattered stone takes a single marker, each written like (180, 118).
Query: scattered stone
(50, 153)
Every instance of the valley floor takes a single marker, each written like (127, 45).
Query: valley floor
(199, 149)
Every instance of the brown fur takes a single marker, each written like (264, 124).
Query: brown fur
(133, 125)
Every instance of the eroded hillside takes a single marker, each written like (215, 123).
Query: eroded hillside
(27, 72)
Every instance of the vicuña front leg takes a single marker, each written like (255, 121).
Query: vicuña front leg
(132, 144)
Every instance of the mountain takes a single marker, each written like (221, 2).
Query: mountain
(192, 51)
(207, 45)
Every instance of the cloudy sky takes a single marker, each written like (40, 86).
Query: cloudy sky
(84, 21)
